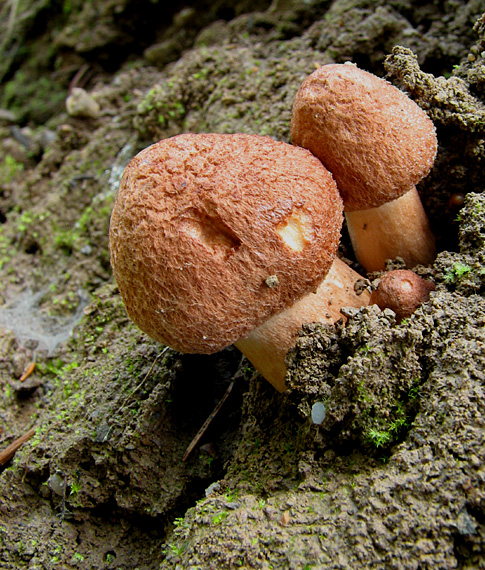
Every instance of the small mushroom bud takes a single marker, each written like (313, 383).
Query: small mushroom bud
(402, 291)
(378, 144)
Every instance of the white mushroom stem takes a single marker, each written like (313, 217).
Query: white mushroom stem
(398, 228)
(266, 347)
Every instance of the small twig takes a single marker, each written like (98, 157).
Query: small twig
(28, 371)
(7, 454)
(12, 17)
(207, 422)
(76, 80)
(65, 512)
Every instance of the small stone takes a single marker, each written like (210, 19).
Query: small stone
(81, 104)
(285, 518)
(475, 461)
(103, 433)
(466, 524)
(7, 116)
(212, 488)
(163, 53)
(318, 413)
(349, 312)
(272, 281)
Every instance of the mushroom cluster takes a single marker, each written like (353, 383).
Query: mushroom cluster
(232, 239)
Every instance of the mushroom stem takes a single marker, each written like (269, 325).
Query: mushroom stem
(267, 345)
(398, 228)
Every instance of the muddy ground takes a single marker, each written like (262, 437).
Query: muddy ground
(394, 477)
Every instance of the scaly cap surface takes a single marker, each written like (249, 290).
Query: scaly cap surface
(372, 137)
(201, 222)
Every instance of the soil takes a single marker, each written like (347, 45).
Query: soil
(394, 475)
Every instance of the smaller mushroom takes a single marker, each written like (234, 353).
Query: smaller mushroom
(402, 291)
(378, 144)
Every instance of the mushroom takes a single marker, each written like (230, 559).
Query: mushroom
(378, 144)
(402, 291)
(200, 224)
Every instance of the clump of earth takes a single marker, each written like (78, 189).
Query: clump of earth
(392, 475)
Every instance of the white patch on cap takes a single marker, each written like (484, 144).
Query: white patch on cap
(295, 230)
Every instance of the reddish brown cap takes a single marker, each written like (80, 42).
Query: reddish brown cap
(375, 141)
(402, 291)
(202, 221)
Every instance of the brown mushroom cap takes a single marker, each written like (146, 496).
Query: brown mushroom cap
(202, 221)
(402, 291)
(375, 141)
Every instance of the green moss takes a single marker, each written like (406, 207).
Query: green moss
(9, 169)
(458, 271)
(160, 101)
(31, 97)
(78, 235)
(217, 519)
(5, 249)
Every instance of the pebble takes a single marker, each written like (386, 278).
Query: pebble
(7, 116)
(212, 488)
(81, 104)
(57, 483)
(318, 413)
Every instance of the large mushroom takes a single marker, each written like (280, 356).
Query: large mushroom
(221, 239)
(378, 144)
